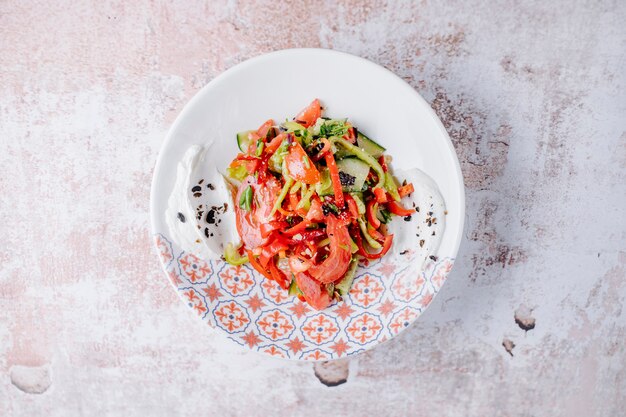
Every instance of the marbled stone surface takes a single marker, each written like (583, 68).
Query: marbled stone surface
(533, 95)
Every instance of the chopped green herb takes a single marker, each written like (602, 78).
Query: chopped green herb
(245, 201)
(333, 127)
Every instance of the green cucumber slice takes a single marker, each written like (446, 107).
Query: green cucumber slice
(293, 288)
(352, 172)
(369, 145)
(343, 287)
(325, 186)
(243, 140)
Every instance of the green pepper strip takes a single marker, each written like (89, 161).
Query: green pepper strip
(391, 187)
(306, 198)
(370, 240)
(283, 193)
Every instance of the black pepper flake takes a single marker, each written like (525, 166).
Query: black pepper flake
(201, 181)
(225, 207)
(346, 179)
(196, 189)
(197, 195)
(407, 218)
(211, 235)
(404, 252)
(210, 216)
(181, 217)
(433, 257)
(422, 243)
(445, 212)
(417, 209)
(433, 233)
(206, 231)
(430, 213)
(210, 186)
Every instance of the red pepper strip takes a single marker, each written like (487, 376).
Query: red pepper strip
(300, 227)
(267, 228)
(372, 208)
(269, 251)
(301, 298)
(381, 196)
(255, 264)
(350, 136)
(397, 209)
(293, 201)
(279, 276)
(334, 176)
(262, 169)
(383, 163)
(375, 234)
(263, 261)
(363, 252)
(352, 207)
(406, 190)
(323, 151)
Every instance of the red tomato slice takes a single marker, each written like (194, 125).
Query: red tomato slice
(314, 293)
(264, 128)
(249, 222)
(275, 143)
(300, 166)
(336, 265)
(309, 116)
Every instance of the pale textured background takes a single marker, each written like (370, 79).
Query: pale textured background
(534, 98)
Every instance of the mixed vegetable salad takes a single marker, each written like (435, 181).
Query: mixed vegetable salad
(312, 196)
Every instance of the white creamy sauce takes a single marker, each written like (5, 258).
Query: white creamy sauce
(419, 235)
(200, 213)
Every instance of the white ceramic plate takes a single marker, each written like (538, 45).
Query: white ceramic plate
(386, 296)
